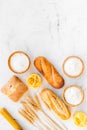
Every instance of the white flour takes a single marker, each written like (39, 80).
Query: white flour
(19, 62)
(73, 66)
(73, 95)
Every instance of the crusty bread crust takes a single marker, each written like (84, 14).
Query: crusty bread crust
(14, 88)
(49, 72)
(55, 103)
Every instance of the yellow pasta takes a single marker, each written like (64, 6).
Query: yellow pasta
(10, 119)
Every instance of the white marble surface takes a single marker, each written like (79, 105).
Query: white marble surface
(53, 28)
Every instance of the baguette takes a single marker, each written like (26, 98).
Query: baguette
(55, 103)
(49, 72)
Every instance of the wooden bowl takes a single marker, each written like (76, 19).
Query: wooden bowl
(67, 73)
(9, 62)
(63, 95)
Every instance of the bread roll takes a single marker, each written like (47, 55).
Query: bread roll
(49, 72)
(14, 88)
(55, 103)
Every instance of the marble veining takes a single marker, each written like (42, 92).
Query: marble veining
(53, 28)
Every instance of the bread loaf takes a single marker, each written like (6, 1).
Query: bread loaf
(49, 72)
(14, 88)
(55, 103)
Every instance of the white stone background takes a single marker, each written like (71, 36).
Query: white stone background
(53, 28)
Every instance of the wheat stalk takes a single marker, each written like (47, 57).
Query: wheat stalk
(31, 116)
(23, 113)
(36, 106)
(52, 112)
